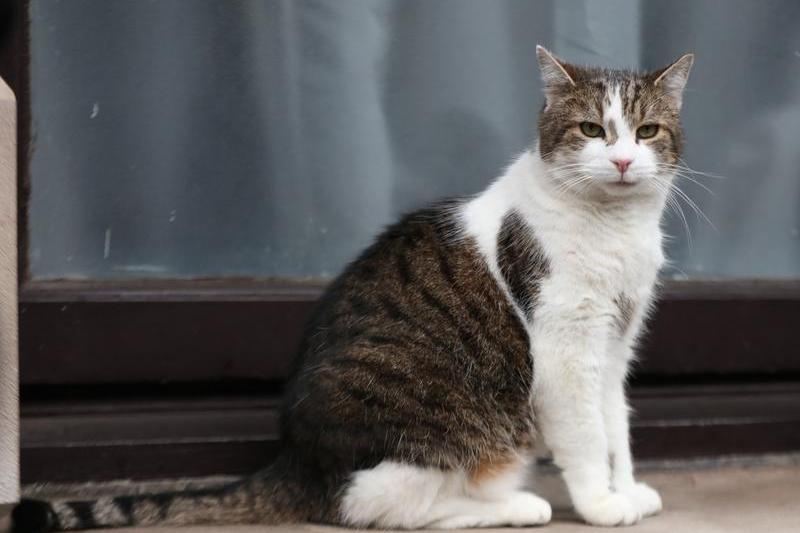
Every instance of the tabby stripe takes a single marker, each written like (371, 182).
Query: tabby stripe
(376, 368)
(599, 106)
(561, 134)
(163, 502)
(477, 315)
(377, 402)
(401, 342)
(62, 516)
(394, 312)
(125, 505)
(464, 336)
(445, 268)
(83, 510)
(382, 371)
(368, 398)
(637, 96)
(672, 140)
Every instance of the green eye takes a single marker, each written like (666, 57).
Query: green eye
(647, 131)
(590, 129)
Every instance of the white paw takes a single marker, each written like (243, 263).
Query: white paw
(520, 509)
(610, 509)
(646, 499)
(526, 509)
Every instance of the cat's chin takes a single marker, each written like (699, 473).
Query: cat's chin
(620, 189)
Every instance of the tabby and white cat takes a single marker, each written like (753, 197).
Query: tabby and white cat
(466, 332)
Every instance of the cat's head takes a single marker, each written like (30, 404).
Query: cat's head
(611, 132)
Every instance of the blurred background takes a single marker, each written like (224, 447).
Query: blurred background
(193, 172)
(274, 139)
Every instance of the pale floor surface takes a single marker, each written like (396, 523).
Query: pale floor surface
(730, 499)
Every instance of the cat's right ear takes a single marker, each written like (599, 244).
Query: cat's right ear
(674, 77)
(555, 73)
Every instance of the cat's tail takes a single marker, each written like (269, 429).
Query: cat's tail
(274, 495)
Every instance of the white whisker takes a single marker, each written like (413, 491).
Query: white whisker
(693, 205)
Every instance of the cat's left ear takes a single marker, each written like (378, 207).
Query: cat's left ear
(673, 78)
(556, 75)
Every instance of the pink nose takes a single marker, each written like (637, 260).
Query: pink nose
(622, 164)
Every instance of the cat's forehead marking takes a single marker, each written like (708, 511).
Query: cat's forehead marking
(611, 132)
(614, 120)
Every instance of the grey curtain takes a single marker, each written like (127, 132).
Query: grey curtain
(185, 138)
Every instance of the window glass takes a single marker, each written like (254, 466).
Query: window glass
(200, 138)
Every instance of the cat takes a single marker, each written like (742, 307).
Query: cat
(469, 331)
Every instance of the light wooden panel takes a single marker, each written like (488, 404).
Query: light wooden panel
(9, 389)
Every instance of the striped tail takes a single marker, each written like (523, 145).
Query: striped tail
(228, 505)
(284, 492)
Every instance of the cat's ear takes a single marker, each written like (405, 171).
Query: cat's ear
(672, 79)
(555, 73)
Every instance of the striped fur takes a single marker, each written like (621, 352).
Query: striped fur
(416, 314)
(284, 492)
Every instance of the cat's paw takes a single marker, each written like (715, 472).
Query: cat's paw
(526, 509)
(646, 499)
(610, 509)
(520, 509)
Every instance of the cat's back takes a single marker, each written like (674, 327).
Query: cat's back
(414, 353)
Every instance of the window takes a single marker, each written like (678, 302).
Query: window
(196, 175)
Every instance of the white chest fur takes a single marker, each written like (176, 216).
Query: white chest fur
(598, 255)
(603, 266)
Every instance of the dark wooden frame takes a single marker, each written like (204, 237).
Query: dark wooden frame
(151, 435)
(181, 377)
(207, 330)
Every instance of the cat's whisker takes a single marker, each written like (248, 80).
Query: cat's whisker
(686, 168)
(583, 180)
(694, 206)
(566, 167)
(678, 210)
(680, 194)
(674, 205)
(570, 182)
(684, 176)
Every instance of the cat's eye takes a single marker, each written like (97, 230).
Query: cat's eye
(647, 131)
(590, 129)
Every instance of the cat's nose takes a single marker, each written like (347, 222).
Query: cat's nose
(622, 164)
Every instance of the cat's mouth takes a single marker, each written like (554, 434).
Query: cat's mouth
(622, 186)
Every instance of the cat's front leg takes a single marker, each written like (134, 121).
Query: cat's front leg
(569, 356)
(616, 414)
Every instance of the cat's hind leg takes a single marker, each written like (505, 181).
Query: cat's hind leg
(518, 509)
(398, 495)
(494, 498)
